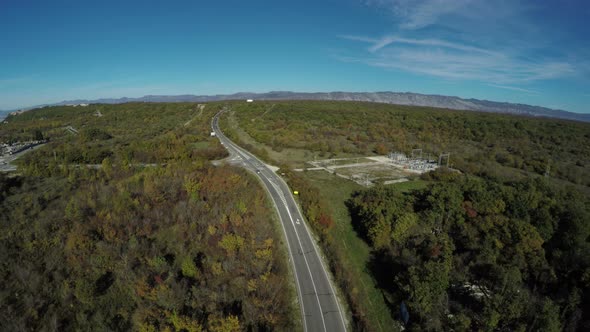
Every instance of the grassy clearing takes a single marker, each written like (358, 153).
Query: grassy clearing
(348, 161)
(374, 171)
(356, 161)
(202, 144)
(410, 185)
(336, 191)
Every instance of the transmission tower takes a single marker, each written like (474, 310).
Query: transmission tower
(447, 156)
(417, 152)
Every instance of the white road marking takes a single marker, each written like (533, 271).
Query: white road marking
(307, 265)
(323, 266)
(281, 195)
(291, 259)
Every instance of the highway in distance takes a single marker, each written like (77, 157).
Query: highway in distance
(320, 308)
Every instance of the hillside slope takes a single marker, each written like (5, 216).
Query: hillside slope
(388, 97)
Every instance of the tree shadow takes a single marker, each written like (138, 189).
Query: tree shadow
(356, 218)
(383, 267)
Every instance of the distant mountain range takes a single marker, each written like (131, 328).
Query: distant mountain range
(400, 98)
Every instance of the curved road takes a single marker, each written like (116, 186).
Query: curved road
(319, 306)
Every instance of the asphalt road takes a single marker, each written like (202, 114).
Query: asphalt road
(6, 161)
(319, 306)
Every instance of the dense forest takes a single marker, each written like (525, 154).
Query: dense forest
(125, 134)
(501, 243)
(472, 254)
(121, 221)
(126, 225)
(485, 144)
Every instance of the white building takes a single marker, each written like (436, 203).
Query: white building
(249, 100)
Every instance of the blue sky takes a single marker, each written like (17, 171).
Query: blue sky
(534, 52)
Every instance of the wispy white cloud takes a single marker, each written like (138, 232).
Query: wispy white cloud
(500, 42)
(513, 88)
(445, 59)
(361, 39)
(415, 14)
(380, 43)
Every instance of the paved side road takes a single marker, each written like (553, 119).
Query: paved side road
(320, 308)
(6, 161)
